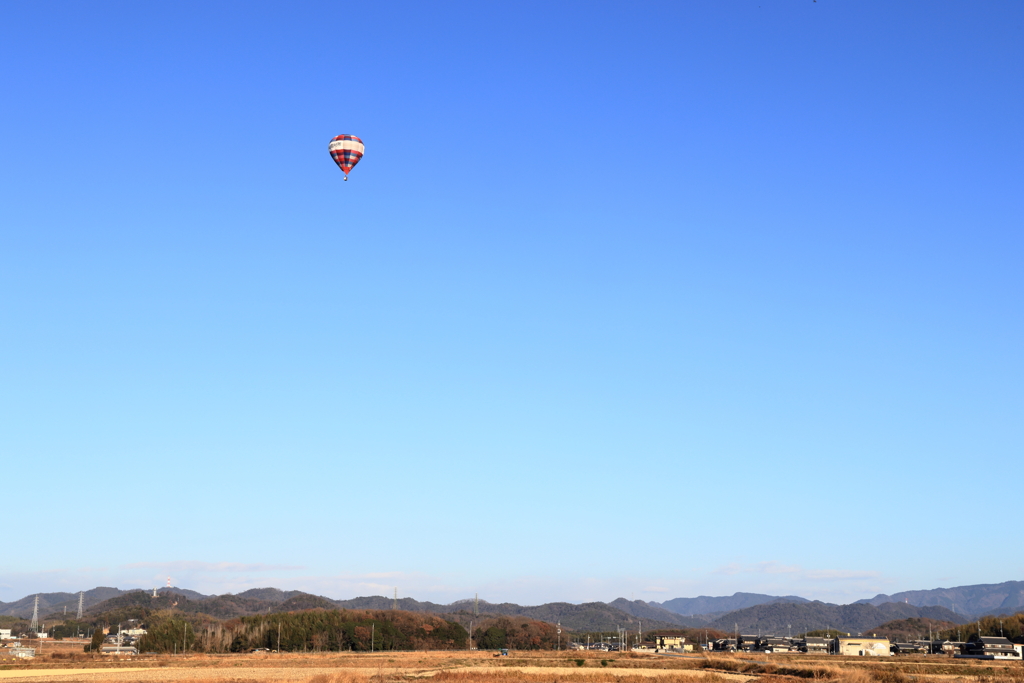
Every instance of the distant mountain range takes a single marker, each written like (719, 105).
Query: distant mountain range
(589, 616)
(787, 617)
(970, 601)
(50, 603)
(746, 612)
(705, 605)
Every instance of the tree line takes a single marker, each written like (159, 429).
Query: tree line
(316, 630)
(517, 633)
(1011, 627)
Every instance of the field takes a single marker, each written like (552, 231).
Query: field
(484, 667)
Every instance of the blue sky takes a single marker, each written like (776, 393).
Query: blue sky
(648, 299)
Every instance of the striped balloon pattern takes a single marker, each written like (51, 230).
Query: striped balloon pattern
(346, 150)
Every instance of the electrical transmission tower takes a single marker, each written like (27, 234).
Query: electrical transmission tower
(35, 616)
(81, 604)
(394, 603)
(476, 605)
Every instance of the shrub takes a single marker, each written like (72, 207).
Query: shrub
(888, 674)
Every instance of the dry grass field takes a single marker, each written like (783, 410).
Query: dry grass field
(524, 667)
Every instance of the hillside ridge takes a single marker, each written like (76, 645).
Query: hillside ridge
(754, 612)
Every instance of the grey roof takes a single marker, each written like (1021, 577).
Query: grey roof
(994, 640)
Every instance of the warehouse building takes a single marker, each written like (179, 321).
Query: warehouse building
(861, 646)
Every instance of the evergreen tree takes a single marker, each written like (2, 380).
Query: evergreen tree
(97, 641)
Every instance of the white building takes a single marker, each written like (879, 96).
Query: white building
(5, 634)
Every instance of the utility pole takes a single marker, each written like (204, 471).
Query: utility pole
(373, 630)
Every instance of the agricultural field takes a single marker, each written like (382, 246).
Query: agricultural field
(485, 667)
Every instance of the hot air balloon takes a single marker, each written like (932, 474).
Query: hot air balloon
(346, 150)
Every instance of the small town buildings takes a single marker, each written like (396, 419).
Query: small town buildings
(771, 644)
(945, 647)
(990, 647)
(22, 652)
(669, 643)
(913, 648)
(813, 645)
(118, 650)
(747, 643)
(861, 646)
(5, 634)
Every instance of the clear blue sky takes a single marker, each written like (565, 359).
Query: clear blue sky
(648, 299)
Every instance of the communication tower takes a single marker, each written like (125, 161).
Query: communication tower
(81, 603)
(35, 616)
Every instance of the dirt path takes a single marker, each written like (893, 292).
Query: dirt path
(49, 674)
(610, 671)
(303, 674)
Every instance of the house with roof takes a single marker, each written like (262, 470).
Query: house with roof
(990, 647)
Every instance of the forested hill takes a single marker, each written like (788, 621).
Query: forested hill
(56, 602)
(593, 616)
(980, 599)
(652, 612)
(746, 611)
(590, 616)
(705, 604)
(902, 630)
(785, 618)
(270, 594)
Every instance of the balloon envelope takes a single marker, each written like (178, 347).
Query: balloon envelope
(346, 150)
